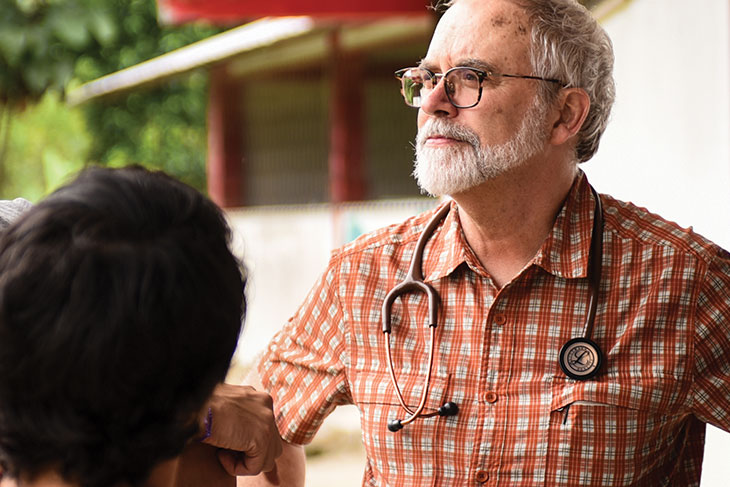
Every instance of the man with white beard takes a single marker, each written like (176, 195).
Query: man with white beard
(470, 166)
(580, 340)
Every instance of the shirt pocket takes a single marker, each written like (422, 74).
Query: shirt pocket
(407, 454)
(614, 433)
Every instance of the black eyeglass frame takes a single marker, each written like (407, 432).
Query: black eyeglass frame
(481, 74)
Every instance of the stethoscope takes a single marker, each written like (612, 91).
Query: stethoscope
(580, 358)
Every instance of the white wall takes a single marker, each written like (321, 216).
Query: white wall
(668, 145)
(286, 249)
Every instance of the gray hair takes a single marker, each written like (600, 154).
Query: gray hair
(568, 44)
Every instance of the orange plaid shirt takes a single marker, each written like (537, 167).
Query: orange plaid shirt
(663, 322)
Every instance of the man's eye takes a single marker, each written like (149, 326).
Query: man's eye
(470, 76)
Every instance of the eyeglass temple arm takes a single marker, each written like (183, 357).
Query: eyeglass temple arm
(551, 80)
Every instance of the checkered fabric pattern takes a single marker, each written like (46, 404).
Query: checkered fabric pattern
(663, 322)
(11, 209)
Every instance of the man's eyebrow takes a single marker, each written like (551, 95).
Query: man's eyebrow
(467, 63)
(477, 63)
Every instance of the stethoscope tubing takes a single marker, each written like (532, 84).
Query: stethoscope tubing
(413, 282)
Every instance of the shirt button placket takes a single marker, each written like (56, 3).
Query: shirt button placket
(490, 397)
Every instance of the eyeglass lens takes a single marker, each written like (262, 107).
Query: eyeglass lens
(462, 86)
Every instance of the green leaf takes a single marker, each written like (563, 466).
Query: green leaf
(103, 27)
(69, 26)
(12, 45)
(37, 78)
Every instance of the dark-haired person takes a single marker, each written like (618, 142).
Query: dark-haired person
(120, 308)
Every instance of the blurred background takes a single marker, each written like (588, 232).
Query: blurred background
(288, 116)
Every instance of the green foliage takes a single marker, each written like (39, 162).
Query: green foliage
(162, 128)
(46, 145)
(40, 41)
(47, 44)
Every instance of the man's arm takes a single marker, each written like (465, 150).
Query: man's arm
(243, 439)
(289, 471)
(290, 466)
(242, 425)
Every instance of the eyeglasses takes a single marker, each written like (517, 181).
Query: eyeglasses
(463, 85)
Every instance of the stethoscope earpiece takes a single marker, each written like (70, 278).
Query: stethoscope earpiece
(449, 409)
(395, 425)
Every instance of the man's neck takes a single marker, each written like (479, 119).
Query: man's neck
(506, 220)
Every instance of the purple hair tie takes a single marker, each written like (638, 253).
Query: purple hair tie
(208, 425)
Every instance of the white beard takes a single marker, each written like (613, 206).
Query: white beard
(450, 170)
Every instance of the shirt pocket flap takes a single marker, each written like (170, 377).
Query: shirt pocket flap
(660, 395)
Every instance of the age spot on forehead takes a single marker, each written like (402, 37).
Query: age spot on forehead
(500, 21)
(521, 30)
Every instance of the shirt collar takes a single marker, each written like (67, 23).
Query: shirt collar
(447, 248)
(565, 252)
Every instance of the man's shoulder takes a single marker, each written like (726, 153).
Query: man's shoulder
(403, 233)
(642, 227)
(11, 209)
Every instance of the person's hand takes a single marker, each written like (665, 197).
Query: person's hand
(242, 425)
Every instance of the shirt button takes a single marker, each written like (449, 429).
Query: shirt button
(482, 476)
(500, 319)
(491, 397)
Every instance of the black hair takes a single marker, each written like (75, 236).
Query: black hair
(120, 308)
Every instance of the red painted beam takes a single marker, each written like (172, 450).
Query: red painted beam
(228, 11)
(346, 166)
(225, 154)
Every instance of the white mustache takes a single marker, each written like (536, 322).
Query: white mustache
(439, 127)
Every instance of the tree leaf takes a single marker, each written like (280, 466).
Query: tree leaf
(69, 26)
(103, 27)
(12, 45)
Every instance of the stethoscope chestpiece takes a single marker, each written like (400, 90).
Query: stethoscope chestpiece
(581, 358)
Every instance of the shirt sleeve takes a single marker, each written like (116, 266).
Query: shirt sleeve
(711, 388)
(303, 367)
(10, 210)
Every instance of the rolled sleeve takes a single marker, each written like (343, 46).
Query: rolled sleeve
(711, 388)
(304, 366)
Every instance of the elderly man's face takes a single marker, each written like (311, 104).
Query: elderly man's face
(460, 148)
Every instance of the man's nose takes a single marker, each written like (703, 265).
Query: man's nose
(437, 104)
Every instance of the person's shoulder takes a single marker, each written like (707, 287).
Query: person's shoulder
(12, 209)
(397, 234)
(641, 226)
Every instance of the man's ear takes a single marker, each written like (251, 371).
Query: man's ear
(573, 106)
